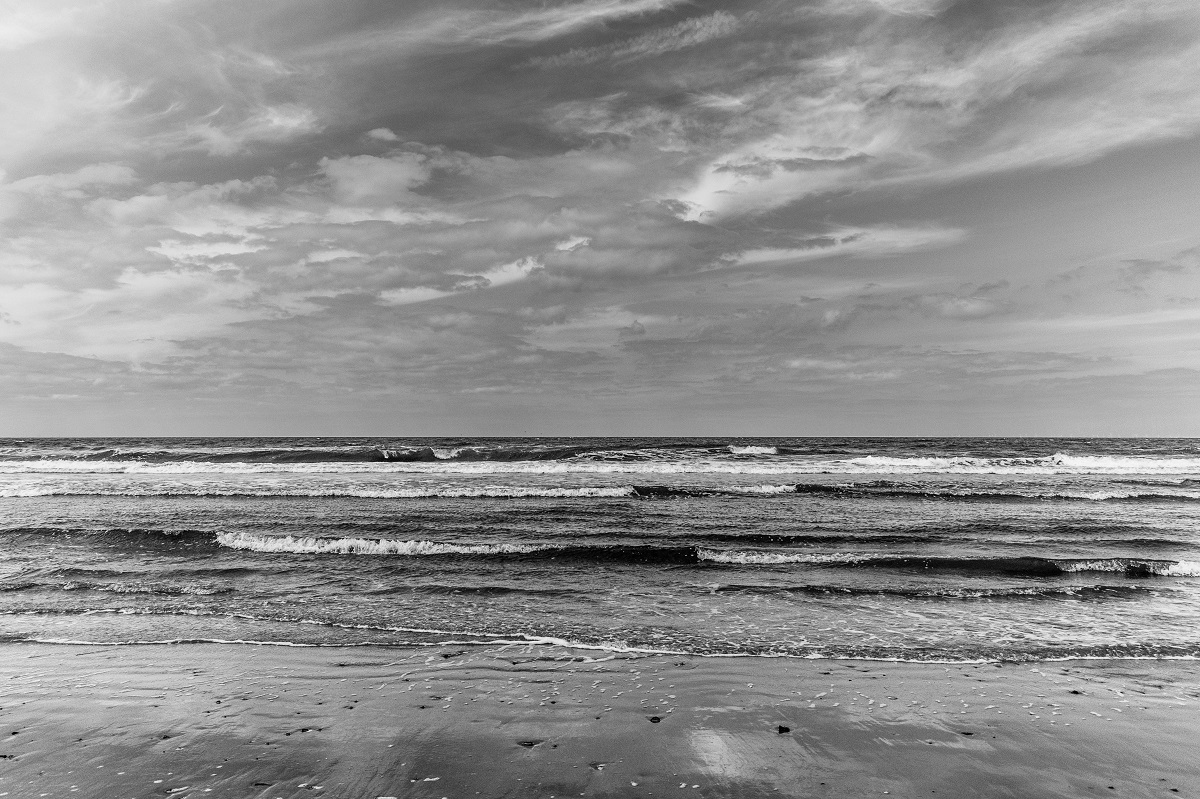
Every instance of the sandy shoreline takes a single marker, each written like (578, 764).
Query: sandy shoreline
(246, 721)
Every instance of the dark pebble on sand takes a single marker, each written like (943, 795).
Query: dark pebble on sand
(782, 729)
(653, 720)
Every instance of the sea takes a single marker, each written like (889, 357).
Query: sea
(910, 549)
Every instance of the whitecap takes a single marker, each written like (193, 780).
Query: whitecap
(750, 557)
(306, 545)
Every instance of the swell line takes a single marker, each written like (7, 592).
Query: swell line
(1028, 566)
(877, 489)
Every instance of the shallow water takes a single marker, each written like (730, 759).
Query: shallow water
(914, 549)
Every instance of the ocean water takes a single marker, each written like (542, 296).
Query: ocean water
(911, 549)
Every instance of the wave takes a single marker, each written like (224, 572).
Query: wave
(689, 555)
(1068, 592)
(374, 490)
(1133, 567)
(676, 491)
(363, 491)
(1179, 482)
(476, 590)
(887, 488)
(132, 533)
(98, 576)
(476, 453)
(161, 589)
(388, 637)
(731, 459)
(148, 588)
(877, 654)
(867, 536)
(305, 545)
(707, 542)
(384, 491)
(387, 530)
(1015, 566)
(307, 454)
(751, 558)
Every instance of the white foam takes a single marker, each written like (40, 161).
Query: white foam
(246, 488)
(660, 463)
(1183, 568)
(1058, 463)
(449, 453)
(752, 450)
(363, 546)
(764, 489)
(749, 557)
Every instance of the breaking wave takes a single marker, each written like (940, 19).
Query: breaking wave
(476, 460)
(305, 545)
(1069, 592)
(888, 488)
(688, 555)
(376, 489)
(750, 558)
(1014, 566)
(364, 491)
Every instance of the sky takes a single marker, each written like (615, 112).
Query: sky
(599, 217)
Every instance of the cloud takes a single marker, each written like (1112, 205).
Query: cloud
(688, 33)
(27, 23)
(915, 105)
(268, 124)
(1140, 275)
(510, 273)
(416, 29)
(642, 201)
(382, 134)
(957, 307)
(550, 22)
(91, 175)
(371, 179)
(858, 242)
(140, 316)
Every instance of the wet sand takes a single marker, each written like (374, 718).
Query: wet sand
(208, 720)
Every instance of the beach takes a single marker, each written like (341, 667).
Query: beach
(215, 720)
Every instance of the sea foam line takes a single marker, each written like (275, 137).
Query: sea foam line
(1029, 565)
(363, 546)
(1180, 568)
(673, 463)
(637, 652)
(363, 491)
(755, 558)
